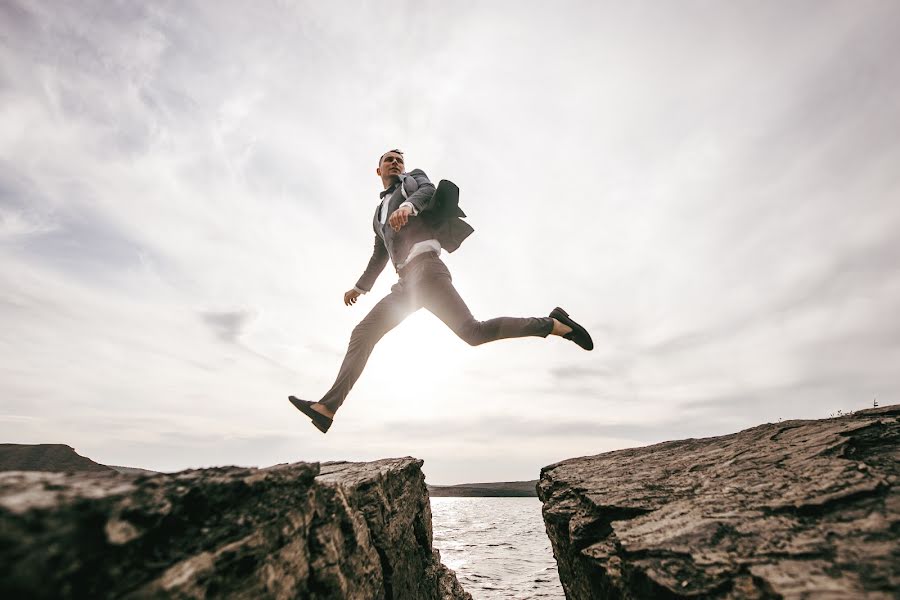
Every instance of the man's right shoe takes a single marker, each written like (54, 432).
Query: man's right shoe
(321, 422)
(579, 334)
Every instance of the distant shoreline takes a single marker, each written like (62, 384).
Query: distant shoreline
(503, 489)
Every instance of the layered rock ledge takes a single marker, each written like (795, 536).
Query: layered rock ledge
(798, 509)
(305, 530)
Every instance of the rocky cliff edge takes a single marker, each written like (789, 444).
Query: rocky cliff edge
(798, 509)
(304, 530)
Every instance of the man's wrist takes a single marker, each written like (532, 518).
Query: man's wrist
(411, 207)
(359, 291)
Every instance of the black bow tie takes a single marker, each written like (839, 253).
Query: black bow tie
(390, 190)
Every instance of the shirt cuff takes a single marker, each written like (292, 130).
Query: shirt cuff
(411, 207)
(359, 291)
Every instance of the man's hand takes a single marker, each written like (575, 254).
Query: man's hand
(350, 297)
(399, 217)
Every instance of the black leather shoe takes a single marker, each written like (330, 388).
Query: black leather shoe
(321, 422)
(579, 334)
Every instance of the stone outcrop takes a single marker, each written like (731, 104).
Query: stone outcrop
(798, 509)
(305, 530)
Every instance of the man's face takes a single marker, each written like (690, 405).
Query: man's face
(391, 165)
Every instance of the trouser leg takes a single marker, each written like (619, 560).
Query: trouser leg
(384, 316)
(441, 298)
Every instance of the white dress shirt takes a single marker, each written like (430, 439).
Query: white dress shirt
(431, 245)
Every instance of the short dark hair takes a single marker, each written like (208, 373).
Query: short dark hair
(400, 152)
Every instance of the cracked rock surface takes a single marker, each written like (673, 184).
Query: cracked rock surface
(798, 509)
(305, 530)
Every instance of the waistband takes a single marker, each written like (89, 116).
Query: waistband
(415, 259)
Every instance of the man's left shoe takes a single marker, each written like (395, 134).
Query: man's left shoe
(321, 422)
(579, 334)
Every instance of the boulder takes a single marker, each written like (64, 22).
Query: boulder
(304, 530)
(797, 509)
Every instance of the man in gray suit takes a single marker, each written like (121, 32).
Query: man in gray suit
(412, 223)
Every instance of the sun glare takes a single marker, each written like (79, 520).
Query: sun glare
(419, 358)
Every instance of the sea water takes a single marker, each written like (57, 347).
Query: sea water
(497, 546)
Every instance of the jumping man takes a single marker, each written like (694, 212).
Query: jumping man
(412, 223)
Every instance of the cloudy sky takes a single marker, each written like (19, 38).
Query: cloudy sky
(186, 191)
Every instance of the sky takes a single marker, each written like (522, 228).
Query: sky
(186, 192)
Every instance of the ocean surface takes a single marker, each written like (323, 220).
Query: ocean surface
(497, 546)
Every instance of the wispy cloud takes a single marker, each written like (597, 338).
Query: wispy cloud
(228, 325)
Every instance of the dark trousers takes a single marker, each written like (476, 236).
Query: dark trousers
(425, 282)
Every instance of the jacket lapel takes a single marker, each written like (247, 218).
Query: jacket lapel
(393, 201)
(407, 186)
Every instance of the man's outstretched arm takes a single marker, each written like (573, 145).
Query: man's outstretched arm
(373, 270)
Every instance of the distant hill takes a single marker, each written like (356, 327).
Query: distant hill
(133, 470)
(45, 457)
(499, 489)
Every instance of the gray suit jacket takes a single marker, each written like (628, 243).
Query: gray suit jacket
(438, 218)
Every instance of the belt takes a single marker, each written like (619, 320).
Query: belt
(414, 260)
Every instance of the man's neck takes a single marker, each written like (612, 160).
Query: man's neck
(389, 180)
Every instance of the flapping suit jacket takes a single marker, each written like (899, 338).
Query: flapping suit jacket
(438, 218)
